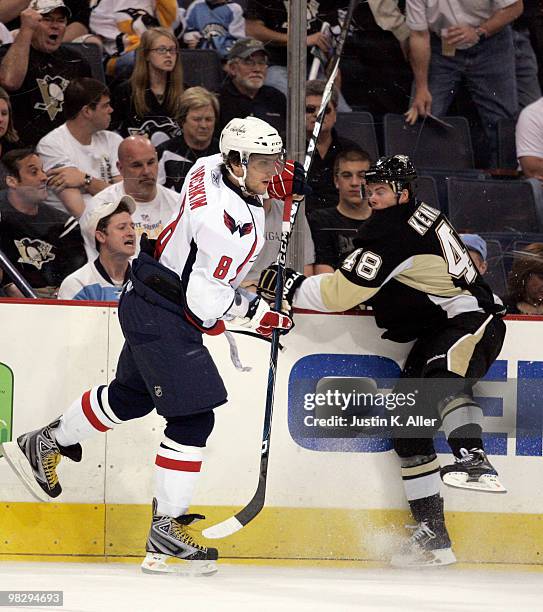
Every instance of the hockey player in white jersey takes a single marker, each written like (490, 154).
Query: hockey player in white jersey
(186, 287)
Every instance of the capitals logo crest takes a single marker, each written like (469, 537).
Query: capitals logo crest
(243, 228)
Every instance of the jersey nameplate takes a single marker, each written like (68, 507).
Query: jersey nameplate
(421, 220)
(197, 190)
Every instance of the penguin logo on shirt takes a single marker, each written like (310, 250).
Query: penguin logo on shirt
(34, 252)
(52, 93)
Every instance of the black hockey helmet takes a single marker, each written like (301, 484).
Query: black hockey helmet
(398, 171)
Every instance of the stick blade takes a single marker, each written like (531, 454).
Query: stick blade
(222, 530)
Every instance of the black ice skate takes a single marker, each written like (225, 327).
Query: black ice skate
(171, 538)
(34, 457)
(425, 548)
(472, 471)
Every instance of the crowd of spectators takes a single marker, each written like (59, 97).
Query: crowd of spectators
(91, 159)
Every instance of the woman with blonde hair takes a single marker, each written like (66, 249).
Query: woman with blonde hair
(525, 284)
(198, 118)
(9, 139)
(149, 102)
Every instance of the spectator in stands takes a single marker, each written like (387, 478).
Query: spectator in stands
(149, 102)
(155, 205)
(334, 229)
(199, 111)
(526, 67)
(329, 144)
(267, 21)
(474, 42)
(38, 69)
(213, 24)
(78, 17)
(375, 54)
(244, 93)
(529, 139)
(44, 244)
(477, 249)
(525, 285)
(273, 210)
(81, 155)
(103, 279)
(121, 23)
(9, 139)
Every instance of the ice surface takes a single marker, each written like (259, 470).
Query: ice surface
(92, 587)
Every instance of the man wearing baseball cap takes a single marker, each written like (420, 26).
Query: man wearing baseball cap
(477, 249)
(48, 6)
(244, 93)
(103, 279)
(38, 69)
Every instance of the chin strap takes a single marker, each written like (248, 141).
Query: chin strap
(240, 180)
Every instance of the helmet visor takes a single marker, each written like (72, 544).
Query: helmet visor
(268, 164)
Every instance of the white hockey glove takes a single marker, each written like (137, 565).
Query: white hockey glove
(262, 319)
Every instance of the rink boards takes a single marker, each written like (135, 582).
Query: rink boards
(327, 498)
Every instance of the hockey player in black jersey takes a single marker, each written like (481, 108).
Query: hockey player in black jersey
(412, 268)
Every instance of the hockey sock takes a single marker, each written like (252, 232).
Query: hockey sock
(90, 413)
(177, 468)
(420, 476)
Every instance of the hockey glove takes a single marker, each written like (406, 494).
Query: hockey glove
(262, 319)
(291, 182)
(268, 282)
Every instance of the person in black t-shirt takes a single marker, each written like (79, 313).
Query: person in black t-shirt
(375, 54)
(329, 144)
(244, 94)
(334, 229)
(78, 16)
(199, 114)
(43, 243)
(36, 71)
(149, 102)
(267, 21)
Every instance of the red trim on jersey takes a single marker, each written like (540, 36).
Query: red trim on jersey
(88, 412)
(168, 231)
(216, 330)
(180, 466)
(253, 248)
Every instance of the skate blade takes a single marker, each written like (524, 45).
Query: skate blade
(487, 483)
(19, 464)
(433, 558)
(155, 563)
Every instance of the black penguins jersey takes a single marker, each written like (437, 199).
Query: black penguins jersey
(411, 267)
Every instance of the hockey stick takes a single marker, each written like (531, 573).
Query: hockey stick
(290, 211)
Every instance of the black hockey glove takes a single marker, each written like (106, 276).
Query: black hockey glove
(267, 284)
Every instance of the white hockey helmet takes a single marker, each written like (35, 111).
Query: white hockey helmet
(247, 136)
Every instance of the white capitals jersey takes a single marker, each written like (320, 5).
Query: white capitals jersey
(213, 241)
